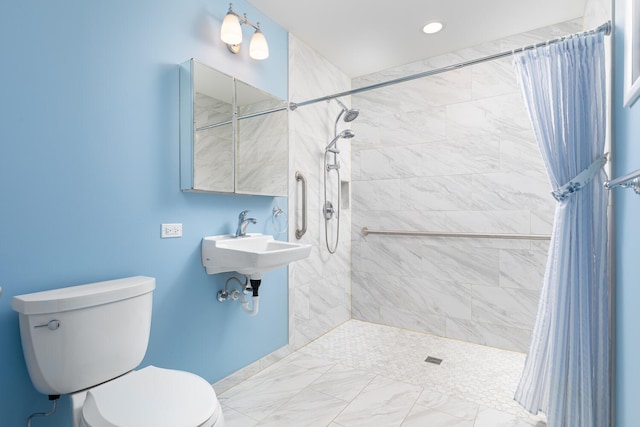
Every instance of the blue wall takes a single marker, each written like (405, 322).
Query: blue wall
(89, 169)
(627, 247)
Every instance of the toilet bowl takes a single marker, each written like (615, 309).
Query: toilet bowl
(151, 396)
(86, 341)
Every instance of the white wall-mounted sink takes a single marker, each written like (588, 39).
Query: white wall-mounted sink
(250, 255)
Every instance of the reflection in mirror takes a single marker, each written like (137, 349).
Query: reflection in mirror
(213, 159)
(213, 139)
(206, 130)
(262, 149)
(245, 152)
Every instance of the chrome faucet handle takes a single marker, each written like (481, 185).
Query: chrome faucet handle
(243, 222)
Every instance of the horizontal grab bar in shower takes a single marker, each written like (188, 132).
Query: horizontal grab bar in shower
(366, 232)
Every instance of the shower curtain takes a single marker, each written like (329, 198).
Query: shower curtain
(566, 373)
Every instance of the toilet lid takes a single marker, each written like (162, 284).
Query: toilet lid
(152, 397)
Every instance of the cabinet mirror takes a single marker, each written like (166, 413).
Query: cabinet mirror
(233, 137)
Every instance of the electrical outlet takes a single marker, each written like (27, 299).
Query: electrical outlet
(171, 230)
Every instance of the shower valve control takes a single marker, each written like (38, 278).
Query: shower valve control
(329, 210)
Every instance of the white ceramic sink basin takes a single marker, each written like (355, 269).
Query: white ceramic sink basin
(251, 255)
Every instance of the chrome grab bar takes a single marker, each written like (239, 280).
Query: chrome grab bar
(366, 232)
(300, 231)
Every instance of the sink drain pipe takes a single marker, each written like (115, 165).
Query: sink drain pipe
(255, 284)
(236, 294)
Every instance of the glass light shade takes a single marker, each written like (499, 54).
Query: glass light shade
(432, 27)
(258, 48)
(230, 32)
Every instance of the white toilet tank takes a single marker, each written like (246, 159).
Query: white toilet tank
(77, 337)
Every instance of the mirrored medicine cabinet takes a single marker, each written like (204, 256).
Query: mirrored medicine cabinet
(233, 137)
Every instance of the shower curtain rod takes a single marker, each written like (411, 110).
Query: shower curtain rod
(605, 28)
(240, 117)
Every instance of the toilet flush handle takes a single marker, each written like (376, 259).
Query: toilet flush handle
(52, 325)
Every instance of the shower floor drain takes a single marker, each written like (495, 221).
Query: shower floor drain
(433, 360)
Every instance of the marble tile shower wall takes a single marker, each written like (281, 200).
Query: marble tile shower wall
(213, 159)
(262, 150)
(451, 152)
(319, 286)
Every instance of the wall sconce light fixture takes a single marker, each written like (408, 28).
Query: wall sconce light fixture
(231, 34)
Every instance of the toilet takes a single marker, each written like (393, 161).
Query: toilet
(86, 341)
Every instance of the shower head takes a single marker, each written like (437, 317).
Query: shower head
(350, 114)
(346, 134)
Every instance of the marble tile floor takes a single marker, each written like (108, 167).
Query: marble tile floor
(364, 374)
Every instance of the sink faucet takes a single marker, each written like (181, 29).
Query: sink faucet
(243, 222)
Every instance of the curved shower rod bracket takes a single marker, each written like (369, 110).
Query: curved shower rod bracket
(631, 180)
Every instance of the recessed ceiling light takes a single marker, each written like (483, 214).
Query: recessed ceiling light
(432, 27)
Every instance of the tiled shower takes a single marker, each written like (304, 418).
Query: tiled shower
(319, 286)
(453, 152)
(447, 153)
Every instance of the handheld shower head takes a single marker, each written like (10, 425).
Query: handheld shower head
(347, 134)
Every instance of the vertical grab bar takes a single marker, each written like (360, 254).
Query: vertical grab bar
(300, 231)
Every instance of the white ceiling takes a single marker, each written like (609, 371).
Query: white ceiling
(364, 36)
